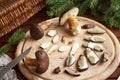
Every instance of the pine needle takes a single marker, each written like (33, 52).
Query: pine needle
(14, 39)
(56, 7)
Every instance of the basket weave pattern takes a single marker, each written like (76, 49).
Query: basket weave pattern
(15, 12)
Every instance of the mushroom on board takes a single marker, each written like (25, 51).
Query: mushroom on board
(69, 17)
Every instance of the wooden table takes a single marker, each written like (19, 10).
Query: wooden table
(41, 16)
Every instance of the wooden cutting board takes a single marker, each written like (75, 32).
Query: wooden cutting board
(100, 71)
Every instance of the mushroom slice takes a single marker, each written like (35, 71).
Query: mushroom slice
(55, 39)
(97, 39)
(63, 48)
(52, 49)
(91, 56)
(45, 45)
(64, 39)
(105, 57)
(72, 72)
(74, 48)
(70, 60)
(96, 31)
(65, 15)
(51, 33)
(88, 26)
(94, 46)
(82, 63)
(46, 24)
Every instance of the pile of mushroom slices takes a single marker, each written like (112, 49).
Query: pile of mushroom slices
(92, 44)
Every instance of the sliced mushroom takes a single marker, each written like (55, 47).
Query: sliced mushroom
(70, 60)
(51, 33)
(94, 46)
(105, 57)
(52, 49)
(57, 70)
(55, 39)
(74, 49)
(45, 45)
(69, 17)
(46, 24)
(63, 48)
(97, 39)
(64, 39)
(91, 56)
(72, 72)
(42, 61)
(96, 31)
(88, 26)
(82, 63)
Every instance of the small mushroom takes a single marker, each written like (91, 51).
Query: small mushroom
(42, 61)
(36, 32)
(56, 39)
(69, 17)
(72, 72)
(45, 45)
(91, 56)
(82, 63)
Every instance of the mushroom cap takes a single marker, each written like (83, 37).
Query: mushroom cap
(65, 15)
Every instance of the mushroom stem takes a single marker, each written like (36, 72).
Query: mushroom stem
(74, 25)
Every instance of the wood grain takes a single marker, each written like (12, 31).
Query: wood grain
(40, 16)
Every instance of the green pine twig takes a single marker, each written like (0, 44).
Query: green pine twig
(14, 39)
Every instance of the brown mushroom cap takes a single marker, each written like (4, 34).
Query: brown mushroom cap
(65, 15)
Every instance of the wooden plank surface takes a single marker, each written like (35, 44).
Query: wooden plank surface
(41, 16)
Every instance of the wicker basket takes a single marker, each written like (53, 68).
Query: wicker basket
(15, 12)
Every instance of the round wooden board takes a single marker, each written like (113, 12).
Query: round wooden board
(100, 71)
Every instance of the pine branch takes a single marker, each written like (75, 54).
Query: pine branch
(109, 8)
(58, 6)
(112, 15)
(14, 39)
(83, 7)
(4, 49)
(94, 7)
(94, 3)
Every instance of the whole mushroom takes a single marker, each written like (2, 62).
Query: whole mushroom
(42, 61)
(69, 17)
(36, 32)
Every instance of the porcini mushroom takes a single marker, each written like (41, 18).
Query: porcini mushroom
(69, 17)
(42, 61)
